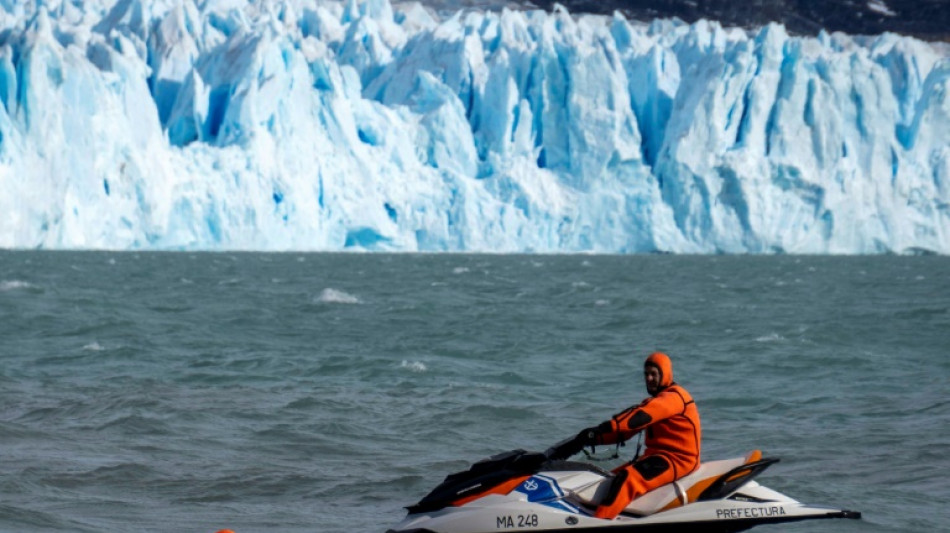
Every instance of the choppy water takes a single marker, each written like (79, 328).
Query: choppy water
(194, 392)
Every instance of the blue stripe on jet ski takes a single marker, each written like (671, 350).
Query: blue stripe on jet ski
(540, 489)
(554, 485)
(546, 491)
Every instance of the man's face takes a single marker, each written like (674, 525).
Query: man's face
(651, 375)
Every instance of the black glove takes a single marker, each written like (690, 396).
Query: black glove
(591, 436)
(587, 436)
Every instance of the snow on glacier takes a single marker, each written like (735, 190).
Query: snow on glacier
(320, 125)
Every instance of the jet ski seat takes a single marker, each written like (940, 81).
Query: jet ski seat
(687, 489)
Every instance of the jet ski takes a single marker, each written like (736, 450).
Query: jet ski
(520, 491)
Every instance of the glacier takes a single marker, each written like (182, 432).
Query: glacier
(317, 125)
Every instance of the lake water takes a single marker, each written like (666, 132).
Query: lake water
(324, 392)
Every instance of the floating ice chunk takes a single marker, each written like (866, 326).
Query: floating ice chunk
(334, 296)
(878, 6)
(15, 284)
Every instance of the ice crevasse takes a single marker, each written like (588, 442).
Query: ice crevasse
(319, 125)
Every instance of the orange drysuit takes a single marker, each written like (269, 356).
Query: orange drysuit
(672, 440)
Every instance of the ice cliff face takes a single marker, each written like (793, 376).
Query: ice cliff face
(317, 125)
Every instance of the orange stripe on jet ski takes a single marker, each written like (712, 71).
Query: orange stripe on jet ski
(693, 492)
(504, 488)
(737, 475)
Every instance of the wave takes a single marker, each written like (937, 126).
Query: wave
(414, 366)
(136, 425)
(113, 475)
(26, 519)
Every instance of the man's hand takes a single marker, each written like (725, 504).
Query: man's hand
(591, 436)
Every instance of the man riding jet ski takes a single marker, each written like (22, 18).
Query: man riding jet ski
(665, 489)
(671, 422)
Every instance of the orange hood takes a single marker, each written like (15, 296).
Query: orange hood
(661, 361)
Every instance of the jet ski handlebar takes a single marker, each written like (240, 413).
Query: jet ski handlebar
(564, 449)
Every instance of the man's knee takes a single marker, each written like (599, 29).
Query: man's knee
(617, 483)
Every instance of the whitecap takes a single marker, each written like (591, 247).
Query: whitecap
(771, 337)
(93, 347)
(10, 285)
(460, 270)
(334, 296)
(414, 366)
(602, 303)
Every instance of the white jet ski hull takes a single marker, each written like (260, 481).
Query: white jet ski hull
(515, 514)
(720, 497)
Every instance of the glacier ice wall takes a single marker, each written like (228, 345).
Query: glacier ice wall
(319, 125)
